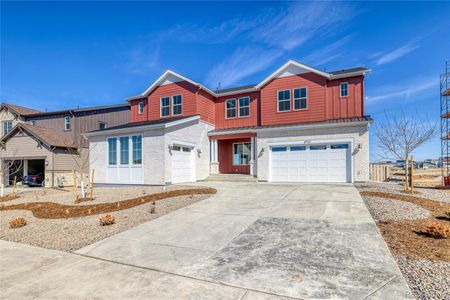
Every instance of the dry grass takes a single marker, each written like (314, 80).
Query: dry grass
(107, 220)
(17, 222)
(51, 210)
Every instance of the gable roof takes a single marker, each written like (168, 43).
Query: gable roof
(290, 67)
(49, 137)
(19, 110)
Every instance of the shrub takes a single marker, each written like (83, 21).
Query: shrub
(153, 209)
(438, 230)
(107, 220)
(17, 222)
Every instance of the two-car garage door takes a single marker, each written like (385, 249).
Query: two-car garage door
(310, 163)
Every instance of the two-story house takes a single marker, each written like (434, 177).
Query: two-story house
(11, 114)
(51, 144)
(299, 124)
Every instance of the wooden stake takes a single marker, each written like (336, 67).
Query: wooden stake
(412, 175)
(74, 185)
(14, 187)
(92, 184)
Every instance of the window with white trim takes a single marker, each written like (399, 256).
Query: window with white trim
(177, 105)
(67, 123)
(7, 126)
(141, 108)
(101, 125)
(137, 149)
(112, 151)
(165, 106)
(344, 89)
(124, 150)
(244, 107)
(300, 101)
(230, 105)
(241, 153)
(284, 100)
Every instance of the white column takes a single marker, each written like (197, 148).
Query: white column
(25, 167)
(216, 151)
(252, 155)
(214, 164)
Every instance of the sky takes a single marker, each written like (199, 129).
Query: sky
(57, 55)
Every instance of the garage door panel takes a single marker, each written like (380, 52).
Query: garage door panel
(318, 163)
(182, 165)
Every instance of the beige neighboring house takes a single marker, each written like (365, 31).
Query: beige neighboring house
(52, 144)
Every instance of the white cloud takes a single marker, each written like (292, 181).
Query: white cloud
(396, 54)
(405, 91)
(328, 53)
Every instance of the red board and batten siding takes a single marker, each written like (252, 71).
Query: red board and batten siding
(252, 120)
(226, 157)
(206, 106)
(135, 116)
(323, 97)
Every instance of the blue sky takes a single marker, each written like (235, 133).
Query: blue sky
(57, 55)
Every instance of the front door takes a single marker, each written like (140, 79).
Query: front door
(241, 158)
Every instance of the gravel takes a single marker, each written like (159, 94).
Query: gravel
(428, 193)
(383, 209)
(427, 279)
(75, 233)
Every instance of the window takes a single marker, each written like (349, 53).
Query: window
(186, 149)
(141, 108)
(176, 148)
(67, 123)
(137, 149)
(165, 106)
(102, 125)
(177, 105)
(231, 108)
(300, 98)
(7, 126)
(124, 150)
(298, 148)
(241, 153)
(339, 146)
(319, 147)
(112, 151)
(279, 149)
(344, 89)
(284, 100)
(244, 107)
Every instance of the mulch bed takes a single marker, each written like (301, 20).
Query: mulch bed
(51, 210)
(407, 238)
(8, 198)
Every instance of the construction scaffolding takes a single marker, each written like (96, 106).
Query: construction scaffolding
(445, 120)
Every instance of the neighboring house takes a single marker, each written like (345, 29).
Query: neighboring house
(51, 143)
(299, 124)
(11, 114)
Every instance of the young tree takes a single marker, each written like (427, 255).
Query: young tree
(399, 136)
(8, 166)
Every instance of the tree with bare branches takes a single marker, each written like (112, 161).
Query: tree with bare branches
(399, 136)
(8, 166)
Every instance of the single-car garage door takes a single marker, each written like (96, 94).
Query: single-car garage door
(313, 163)
(182, 164)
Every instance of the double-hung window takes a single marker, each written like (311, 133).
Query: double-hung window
(124, 150)
(137, 149)
(7, 126)
(67, 123)
(165, 106)
(284, 100)
(300, 101)
(344, 89)
(112, 151)
(241, 153)
(244, 107)
(141, 108)
(177, 105)
(230, 108)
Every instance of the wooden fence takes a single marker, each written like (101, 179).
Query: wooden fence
(379, 172)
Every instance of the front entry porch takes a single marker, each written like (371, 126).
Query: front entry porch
(233, 154)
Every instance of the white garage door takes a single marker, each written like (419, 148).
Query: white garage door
(182, 164)
(315, 163)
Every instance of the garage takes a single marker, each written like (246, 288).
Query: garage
(310, 163)
(183, 169)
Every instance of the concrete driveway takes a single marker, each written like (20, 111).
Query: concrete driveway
(257, 241)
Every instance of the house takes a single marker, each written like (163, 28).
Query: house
(299, 124)
(51, 143)
(11, 114)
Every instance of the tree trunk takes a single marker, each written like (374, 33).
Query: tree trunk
(407, 174)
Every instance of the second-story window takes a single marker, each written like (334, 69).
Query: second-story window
(165, 106)
(7, 126)
(300, 98)
(177, 105)
(344, 89)
(102, 125)
(244, 107)
(230, 106)
(67, 123)
(284, 100)
(141, 108)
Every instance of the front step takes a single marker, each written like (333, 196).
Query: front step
(231, 177)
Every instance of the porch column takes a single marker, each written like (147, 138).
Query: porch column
(25, 167)
(214, 164)
(252, 156)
